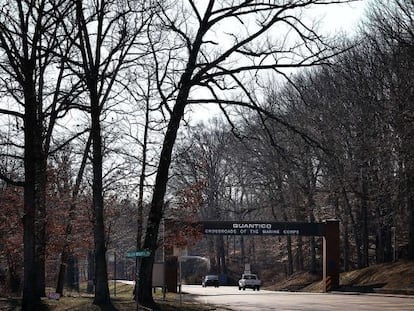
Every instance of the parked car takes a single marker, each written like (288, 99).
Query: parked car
(249, 281)
(210, 280)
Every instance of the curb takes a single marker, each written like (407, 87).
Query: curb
(394, 291)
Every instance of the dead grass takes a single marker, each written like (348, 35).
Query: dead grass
(122, 301)
(388, 277)
(392, 275)
(295, 282)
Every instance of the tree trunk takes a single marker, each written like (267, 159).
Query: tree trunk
(242, 250)
(221, 255)
(157, 203)
(299, 254)
(409, 188)
(364, 223)
(289, 268)
(161, 179)
(289, 255)
(62, 273)
(410, 255)
(312, 243)
(354, 224)
(102, 297)
(345, 239)
(91, 273)
(140, 212)
(13, 281)
(68, 230)
(72, 274)
(29, 293)
(379, 237)
(33, 241)
(40, 224)
(312, 264)
(211, 251)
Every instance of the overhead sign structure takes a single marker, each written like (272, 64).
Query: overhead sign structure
(139, 253)
(329, 230)
(262, 228)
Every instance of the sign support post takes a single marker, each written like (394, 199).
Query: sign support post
(331, 256)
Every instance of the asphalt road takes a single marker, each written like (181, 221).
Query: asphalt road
(262, 300)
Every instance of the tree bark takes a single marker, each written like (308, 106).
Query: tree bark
(102, 296)
(157, 203)
(140, 212)
(345, 239)
(410, 207)
(289, 255)
(33, 162)
(312, 242)
(221, 255)
(299, 254)
(40, 224)
(348, 211)
(364, 220)
(91, 273)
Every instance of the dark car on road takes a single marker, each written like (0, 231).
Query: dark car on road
(210, 280)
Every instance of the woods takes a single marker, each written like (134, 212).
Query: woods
(97, 137)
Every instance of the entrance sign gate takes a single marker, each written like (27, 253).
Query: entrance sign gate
(329, 230)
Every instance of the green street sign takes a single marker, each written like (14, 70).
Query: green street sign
(139, 253)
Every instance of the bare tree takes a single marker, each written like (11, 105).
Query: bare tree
(65, 255)
(219, 47)
(356, 108)
(390, 32)
(141, 132)
(106, 32)
(203, 160)
(28, 42)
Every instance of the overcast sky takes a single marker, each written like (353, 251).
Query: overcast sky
(333, 20)
(341, 17)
